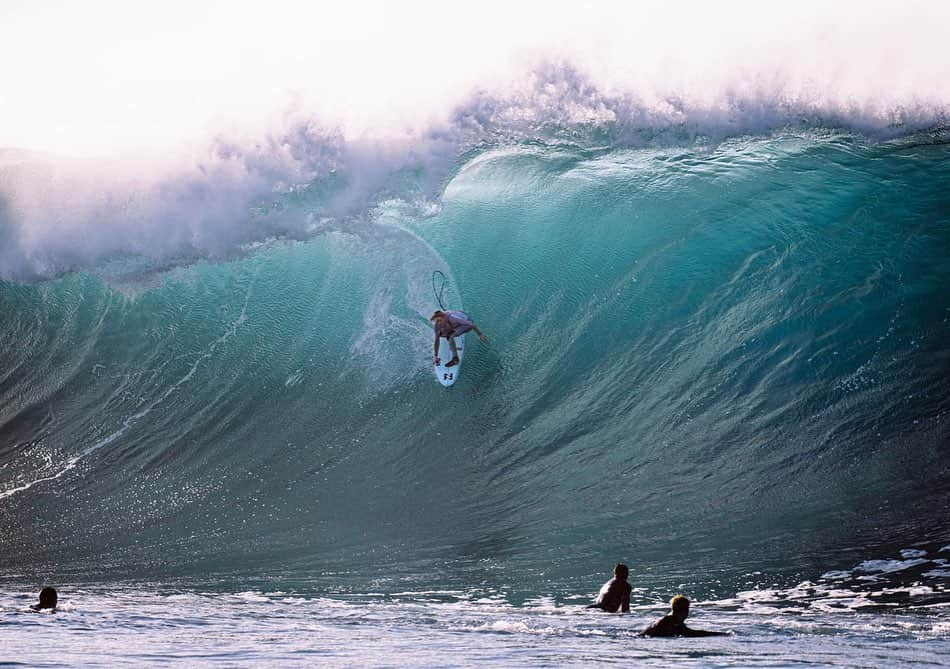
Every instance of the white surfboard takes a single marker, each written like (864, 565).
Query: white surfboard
(447, 376)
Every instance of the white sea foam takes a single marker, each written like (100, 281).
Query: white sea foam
(383, 103)
(910, 553)
(256, 629)
(837, 575)
(888, 566)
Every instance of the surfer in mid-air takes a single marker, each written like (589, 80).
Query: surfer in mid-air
(451, 324)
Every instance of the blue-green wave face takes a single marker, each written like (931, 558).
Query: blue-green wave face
(705, 358)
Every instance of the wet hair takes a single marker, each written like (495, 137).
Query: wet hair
(679, 603)
(621, 571)
(48, 598)
(438, 313)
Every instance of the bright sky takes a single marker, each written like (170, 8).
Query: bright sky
(99, 75)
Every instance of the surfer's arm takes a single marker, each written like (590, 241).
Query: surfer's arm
(482, 338)
(435, 349)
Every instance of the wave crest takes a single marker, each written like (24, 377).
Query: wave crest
(59, 215)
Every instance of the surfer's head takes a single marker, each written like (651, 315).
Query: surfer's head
(48, 598)
(679, 605)
(621, 571)
(437, 314)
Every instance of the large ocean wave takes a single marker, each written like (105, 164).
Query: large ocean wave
(718, 344)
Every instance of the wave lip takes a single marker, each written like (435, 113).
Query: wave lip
(58, 216)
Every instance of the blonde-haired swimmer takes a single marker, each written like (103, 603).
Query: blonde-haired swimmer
(674, 624)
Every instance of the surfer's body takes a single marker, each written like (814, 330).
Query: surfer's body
(615, 594)
(449, 325)
(674, 624)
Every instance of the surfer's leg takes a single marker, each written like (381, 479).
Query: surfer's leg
(455, 353)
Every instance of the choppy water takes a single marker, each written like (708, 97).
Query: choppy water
(883, 614)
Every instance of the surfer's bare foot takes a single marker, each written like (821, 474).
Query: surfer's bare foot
(437, 361)
(453, 362)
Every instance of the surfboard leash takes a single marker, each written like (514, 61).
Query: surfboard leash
(438, 293)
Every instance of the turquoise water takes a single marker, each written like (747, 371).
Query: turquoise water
(722, 361)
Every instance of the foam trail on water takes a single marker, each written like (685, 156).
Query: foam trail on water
(135, 418)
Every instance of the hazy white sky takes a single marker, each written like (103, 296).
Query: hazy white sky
(95, 76)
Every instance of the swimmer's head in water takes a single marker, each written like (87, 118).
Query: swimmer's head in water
(621, 571)
(48, 598)
(680, 604)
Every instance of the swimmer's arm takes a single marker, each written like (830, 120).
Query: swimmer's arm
(661, 627)
(692, 632)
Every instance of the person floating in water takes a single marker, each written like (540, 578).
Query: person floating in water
(48, 599)
(674, 625)
(614, 595)
(451, 324)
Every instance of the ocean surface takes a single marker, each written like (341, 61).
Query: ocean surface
(718, 351)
